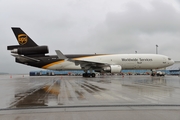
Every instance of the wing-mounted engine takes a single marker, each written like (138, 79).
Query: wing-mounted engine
(111, 69)
(30, 50)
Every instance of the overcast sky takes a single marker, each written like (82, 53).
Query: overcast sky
(91, 26)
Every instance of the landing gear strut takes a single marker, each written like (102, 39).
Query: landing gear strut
(89, 74)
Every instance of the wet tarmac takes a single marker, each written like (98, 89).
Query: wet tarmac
(75, 93)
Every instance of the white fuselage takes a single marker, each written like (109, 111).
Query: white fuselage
(126, 61)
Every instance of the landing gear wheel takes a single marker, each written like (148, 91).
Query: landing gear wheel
(89, 75)
(93, 75)
(84, 74)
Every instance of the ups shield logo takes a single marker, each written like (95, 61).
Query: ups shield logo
(22, 39)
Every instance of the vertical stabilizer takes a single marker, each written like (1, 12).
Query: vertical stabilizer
(23, 39)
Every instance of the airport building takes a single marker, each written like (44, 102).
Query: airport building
(52, 72)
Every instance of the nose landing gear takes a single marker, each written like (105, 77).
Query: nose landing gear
(153, 72)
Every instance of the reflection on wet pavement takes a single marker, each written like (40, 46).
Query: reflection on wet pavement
(68, 90)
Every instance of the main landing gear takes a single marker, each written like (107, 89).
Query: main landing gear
(89, 75)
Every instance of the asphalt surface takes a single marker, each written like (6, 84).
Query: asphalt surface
(75, 97)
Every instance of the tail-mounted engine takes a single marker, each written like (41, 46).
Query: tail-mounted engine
(29, 50)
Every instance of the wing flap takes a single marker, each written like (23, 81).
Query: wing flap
(87, 65)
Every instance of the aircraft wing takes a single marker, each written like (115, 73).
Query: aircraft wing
(25, 58)
(85, 64)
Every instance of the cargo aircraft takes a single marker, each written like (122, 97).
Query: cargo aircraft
(31, 54)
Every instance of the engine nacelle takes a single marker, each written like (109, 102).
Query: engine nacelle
(31, 50)
(113, 69)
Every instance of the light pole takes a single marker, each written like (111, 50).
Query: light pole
(156, 49)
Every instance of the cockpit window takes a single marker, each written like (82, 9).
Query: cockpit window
(169, 58)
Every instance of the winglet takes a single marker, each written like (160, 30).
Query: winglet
(60, 54)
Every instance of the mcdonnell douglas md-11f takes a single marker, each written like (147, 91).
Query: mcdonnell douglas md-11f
(29, 53)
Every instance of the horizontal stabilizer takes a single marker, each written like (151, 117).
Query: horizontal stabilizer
(13, 47)
(60, 55)
(25, 58)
